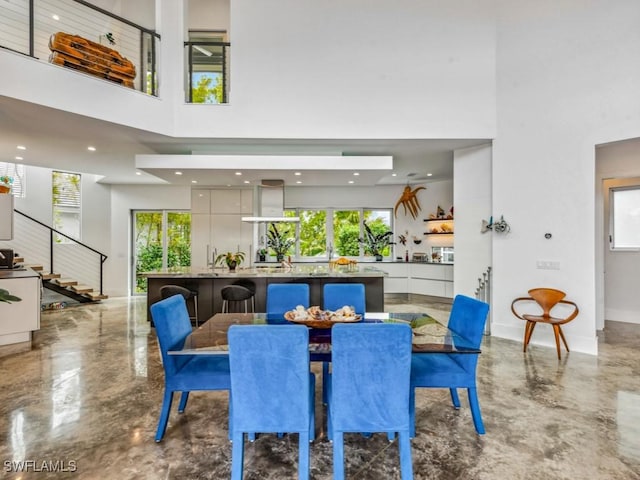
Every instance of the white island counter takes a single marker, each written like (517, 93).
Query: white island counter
(19, 318)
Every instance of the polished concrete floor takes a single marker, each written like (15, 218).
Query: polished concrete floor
(87, 395)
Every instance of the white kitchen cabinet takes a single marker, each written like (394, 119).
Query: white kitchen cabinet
(397, 280)
(200, 201)
(231, 201)
(19, 318)
(201, 253)
(431, 279)
(6, 217)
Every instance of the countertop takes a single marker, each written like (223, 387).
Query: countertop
(297, 270)
(8, 273)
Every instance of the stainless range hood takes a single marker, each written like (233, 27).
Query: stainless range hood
(271, 197)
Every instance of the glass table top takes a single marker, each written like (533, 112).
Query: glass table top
(429, 336)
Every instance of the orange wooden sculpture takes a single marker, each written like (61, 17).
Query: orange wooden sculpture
(90, 57)
(409, 201)
(546, 298)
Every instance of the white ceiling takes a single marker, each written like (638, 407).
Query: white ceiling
(57, 139)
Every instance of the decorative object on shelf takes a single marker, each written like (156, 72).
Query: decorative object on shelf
(402, 239)
(446, 228)
(417, 240)
(279, 244)
(435, 257)
(75, 52)
(409, 201)
(5, 184)
(500, 226)
(232, 260)
(262, 254)
(6, 297)
(440, 212)
(450, 216)
(375, 243)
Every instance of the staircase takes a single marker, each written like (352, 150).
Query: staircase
(52, 251)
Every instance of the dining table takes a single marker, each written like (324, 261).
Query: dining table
(429, 335)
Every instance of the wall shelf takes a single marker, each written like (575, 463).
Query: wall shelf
(441, 222)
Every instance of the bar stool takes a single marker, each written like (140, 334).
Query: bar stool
(237, 293)
(171, 290)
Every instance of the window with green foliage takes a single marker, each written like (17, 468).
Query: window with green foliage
(208, 59)
(65, 199)
(162, 240)
(335, 232)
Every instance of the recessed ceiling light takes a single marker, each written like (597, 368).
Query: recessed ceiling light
(356, 174)
(299, 181)
(238, 173)
(194, 181)
(55, 17)
(228, 185)
(91, 149)
(21, 147)
(138, 173)
(394, 174)
(351, 181)
(297, 174)
(247, 181)
(429, 174)
(178, 173)
(19, 158)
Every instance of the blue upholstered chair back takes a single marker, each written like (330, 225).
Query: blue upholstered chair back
(270, 377)
(282, 297)
(370, 380)
(467, 319)
(172, 324)
(337, 295)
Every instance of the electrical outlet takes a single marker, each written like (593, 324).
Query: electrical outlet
(547, 265)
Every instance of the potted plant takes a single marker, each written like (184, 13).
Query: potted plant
(375, 243)
(232, 260)
(278, 243)
(5, 184)
(262, 254)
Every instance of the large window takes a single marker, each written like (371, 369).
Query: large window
(162, 240)
(625, 218)
(335, 232)
(66, 204)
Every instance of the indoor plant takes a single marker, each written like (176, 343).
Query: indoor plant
(262, 254)
(375, 243)
(278, 243)
(232, 260)
(5, 183)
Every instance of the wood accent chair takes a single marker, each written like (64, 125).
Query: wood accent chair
(547, 299)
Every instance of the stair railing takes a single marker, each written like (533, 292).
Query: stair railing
(483, 292)
(36, 241)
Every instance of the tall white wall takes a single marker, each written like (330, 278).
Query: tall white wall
(565, 83)
(472, 201)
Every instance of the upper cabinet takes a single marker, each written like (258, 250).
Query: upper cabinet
(222, 201)
(6, 214)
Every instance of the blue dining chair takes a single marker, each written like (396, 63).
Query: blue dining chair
(454, 370)
(335, 296)
(183, 373)
(272, 389)
(282, 297)
(369, 387)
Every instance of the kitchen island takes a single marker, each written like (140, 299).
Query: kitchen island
(19, 305)
(209, 282)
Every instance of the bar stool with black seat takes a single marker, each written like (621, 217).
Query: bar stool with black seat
(171, 290)
(237, 293)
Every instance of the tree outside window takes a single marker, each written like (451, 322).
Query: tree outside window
(66, 204)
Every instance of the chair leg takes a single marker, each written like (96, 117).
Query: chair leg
(564, 340)
(237, 456)
(528, 331)
(406, 465)
(183, 402)
(303, 453)
(164, 414)
(475, 410)
(454, 398)
(556, 333)
(195, 308)
(325, 379)
(338, 456)
(312, 412)
(412, 412)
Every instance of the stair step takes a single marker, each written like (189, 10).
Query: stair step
(95, 296)
(18, 260)
(81, 288)
(49, 276)
(37, 268)
(66, 282)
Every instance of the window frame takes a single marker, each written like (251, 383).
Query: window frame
(612, 219)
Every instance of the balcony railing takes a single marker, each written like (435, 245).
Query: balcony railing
(27, 25)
